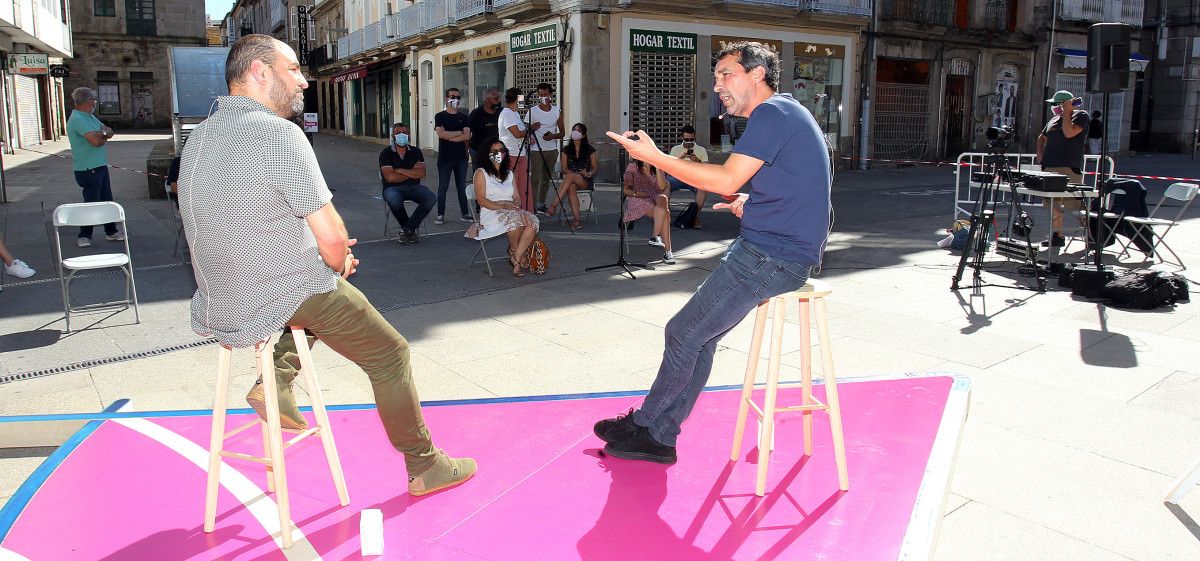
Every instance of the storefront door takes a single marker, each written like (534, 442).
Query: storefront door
(386, 98)
(662, 83)
(957, 101)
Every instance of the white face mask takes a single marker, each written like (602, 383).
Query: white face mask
(497, 157)
(453, 103)
(576, 135)
(402, 139)
(544, 100)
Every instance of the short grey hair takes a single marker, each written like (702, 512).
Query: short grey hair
(245, 51)
(82, 95)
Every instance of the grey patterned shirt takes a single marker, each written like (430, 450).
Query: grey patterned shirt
(247, 180)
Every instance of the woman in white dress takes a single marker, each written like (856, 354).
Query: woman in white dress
(500, 207)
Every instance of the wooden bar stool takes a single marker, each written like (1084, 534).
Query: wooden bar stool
(273, 443)
(813, 292)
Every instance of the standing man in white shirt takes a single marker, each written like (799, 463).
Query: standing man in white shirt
(543, 147)
(512, 134)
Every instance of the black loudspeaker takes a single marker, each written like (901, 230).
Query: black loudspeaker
(1108, 57)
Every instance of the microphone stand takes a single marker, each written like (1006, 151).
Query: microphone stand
(621, 261)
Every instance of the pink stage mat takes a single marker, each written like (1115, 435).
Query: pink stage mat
(131, 489)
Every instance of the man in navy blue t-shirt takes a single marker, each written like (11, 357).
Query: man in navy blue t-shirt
(785, 222)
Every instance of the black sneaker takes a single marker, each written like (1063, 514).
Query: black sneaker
(616, 428)
(411, 237)
(541, 209)
(641, 446)
(1057, 240)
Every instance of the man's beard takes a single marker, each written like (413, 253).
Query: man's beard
(286, 104)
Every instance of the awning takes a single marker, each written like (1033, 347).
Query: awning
(357, 73)
(1077, 58)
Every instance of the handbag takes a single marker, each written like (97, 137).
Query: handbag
(539, 256)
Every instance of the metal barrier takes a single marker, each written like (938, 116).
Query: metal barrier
(438, 14)
(966, 190)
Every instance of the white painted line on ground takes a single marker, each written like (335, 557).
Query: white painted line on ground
(9, 555)
(262, 507)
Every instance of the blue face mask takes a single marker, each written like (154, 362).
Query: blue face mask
(402, 139)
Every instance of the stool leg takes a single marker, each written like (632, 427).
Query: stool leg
(309, 370)
(267, 371)
(831, 396)
(768, 431)
(266, 443)
(760, 321)
(806, 375)
(216, 441)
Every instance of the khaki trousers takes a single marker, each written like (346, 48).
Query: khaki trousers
(345, 321)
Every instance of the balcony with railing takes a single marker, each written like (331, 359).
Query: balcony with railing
(438, 14)
(1096, 11)
(843, 7)
(997, 15)
(471, 8)
(930, 12)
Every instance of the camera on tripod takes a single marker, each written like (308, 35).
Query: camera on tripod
(998, 137)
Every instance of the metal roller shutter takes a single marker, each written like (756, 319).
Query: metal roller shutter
(531, 68)
(662, 94)
(901, 121)
(29, 115)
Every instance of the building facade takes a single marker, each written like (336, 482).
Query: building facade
(290, 21)
(1166, 115)
(35, 40)
(615, 65)
(122, 51)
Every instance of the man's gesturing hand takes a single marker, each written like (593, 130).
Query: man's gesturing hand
(642, 148)
(735, 205)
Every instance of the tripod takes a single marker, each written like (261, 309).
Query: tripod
(525, 146)
(621, 227)
(983, 217)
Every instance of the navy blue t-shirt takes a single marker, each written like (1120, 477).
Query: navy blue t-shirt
(787, 214)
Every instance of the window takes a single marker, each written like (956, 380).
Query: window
(105, 8)
(109, 96)
(139, 17)
(142, 76)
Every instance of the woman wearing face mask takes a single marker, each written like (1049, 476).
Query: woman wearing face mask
(500, 207)
(579, 164)
(645, 189)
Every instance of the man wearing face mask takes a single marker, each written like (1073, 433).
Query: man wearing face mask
(453, 132)
(687, 149)
(483, 123)
(269, 250)
(1060, 149)
(89, 158)
(543, 147)
(401, 167)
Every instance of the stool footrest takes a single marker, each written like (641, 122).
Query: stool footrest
(234, 432)
(756, 408)
(311, 431)
(247, 457)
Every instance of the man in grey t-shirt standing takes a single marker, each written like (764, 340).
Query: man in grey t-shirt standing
(269, 250)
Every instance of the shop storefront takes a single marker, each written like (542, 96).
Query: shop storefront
(817, 83)
(535, 58)
(662, 83)
(349, 90)
(456, 73)
(491, 70)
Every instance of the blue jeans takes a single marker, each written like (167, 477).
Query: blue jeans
(96, 188)
(459, 169)
(745, 277)
(395, 195)
(677, 185)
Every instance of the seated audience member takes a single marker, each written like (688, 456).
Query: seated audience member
(690, 150)
(579, 165)
(14, 266)
(645, 190)
(401, 167)
(500, 206)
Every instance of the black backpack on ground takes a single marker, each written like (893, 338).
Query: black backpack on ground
(687, 217)
(1145, 290)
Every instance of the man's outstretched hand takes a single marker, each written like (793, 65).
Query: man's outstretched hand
(639, 144)
(735, 205)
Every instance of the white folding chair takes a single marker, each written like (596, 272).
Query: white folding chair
(93, 214)
(482, 240)
(1185, 193)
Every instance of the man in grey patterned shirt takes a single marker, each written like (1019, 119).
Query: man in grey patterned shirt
(270, 251)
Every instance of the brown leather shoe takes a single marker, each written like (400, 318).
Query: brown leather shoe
(289, 413)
